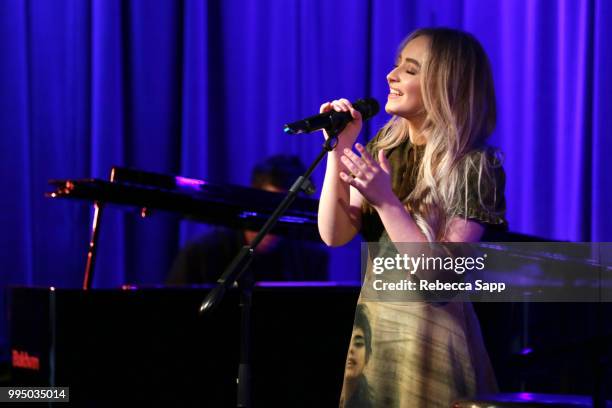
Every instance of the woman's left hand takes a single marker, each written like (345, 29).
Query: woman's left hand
(371, 179)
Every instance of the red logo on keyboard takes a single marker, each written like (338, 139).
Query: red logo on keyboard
(22, 359)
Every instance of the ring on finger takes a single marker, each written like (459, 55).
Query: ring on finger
(354, 171)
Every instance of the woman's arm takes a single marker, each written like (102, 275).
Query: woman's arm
(401, 227)
(340, 205)
(461, 230)
(398, 222)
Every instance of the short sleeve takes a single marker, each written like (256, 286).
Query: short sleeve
(484, 199)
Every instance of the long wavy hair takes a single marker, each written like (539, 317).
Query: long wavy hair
(459, 100)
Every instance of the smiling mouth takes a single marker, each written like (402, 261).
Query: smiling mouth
(351, 362)
(394, 92)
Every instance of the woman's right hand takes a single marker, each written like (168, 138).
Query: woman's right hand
(349, 134)
(340, 205)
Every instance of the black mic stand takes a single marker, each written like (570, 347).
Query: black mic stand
(233, 274)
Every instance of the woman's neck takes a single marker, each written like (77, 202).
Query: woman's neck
(418, 140)
(416, 135)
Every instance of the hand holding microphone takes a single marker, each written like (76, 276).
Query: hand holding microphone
(351, 130)
(340, 115)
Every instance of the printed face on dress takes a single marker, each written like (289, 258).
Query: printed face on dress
(356, 359)
(405, 98)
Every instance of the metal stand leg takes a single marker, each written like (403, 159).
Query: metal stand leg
(244, 371)
(93, 246)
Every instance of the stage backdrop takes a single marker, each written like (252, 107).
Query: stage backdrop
(203, 89)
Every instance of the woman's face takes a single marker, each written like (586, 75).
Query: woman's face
(356, 359)
(405, 98)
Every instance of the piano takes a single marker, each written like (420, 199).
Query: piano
(199, 200)
(194, 199)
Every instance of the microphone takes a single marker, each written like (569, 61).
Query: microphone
(368, 107)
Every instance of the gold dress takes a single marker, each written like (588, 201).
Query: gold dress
(418, 354)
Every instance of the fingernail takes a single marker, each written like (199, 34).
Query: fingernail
(346, 150)
(359, 146)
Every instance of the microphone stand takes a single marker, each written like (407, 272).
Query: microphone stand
(233, 274)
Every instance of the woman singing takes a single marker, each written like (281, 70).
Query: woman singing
(427, 176)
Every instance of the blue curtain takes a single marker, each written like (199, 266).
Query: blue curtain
(202, 89)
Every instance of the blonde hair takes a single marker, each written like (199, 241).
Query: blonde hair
(459, 100)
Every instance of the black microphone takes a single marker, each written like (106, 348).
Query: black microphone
(368, 107)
